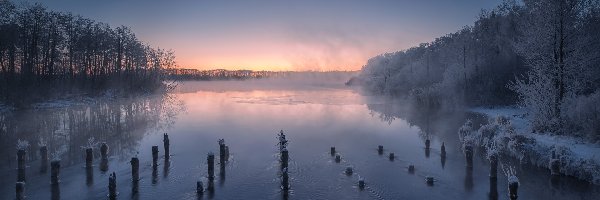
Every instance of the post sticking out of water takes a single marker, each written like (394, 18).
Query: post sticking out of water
(361, 183)
(332, 151)
(226, 153)
(443, 149)
(513, 188)
(166, 145)
(349, 170)
(135, 169)
(104, 151)
(284, 158)
(493, 166)
(469, 155)
(554, 167)
(44, 157)
(427, 143)
(20, 190)
(54, 171)
(89, 157)
(429, 180)
(211, 166)
(21, 165)
(199, 187)
(222, 153)
(155, 155)
(112, 186)
(338, 158)
(411, 168)
(392, 156)
(380, 149)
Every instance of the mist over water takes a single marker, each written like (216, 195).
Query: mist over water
(315, 114)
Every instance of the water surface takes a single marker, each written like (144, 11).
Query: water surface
(248, 115)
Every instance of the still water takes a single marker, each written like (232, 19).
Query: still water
(248, 115)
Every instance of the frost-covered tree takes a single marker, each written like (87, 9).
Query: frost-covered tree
(556, 48)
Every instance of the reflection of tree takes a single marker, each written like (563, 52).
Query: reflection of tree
(120, 123)
(429, 120)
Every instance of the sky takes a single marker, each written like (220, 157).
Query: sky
(319, 35)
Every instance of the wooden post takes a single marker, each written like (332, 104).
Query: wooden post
(135, 169)
(155, 155)
(166, 145)
(380, 149)
(112, 186)
(284, 158)
(44, 157)
(332, 151)
(211, 166)
(104, 151)
(89, 157)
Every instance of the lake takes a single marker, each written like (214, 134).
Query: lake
(248, 115)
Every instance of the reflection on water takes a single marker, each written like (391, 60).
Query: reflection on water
(314, 118)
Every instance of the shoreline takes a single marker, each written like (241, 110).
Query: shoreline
(577, 157)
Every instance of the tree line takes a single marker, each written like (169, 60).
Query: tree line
(44, 54)
(541, 54)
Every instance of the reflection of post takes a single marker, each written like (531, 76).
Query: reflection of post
(285, 185)
(469, 179)
(166, 145)
(54, 171)
(21, 165)
(493, 166)
(443, 149)
(55, 190)
(89, 172)
(493, 189)
(469, 155)
(513, 188)
(112, 186)
(44, 157)
(20, 190)
(89, 157)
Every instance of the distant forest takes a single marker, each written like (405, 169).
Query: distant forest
(222, 74)
(46, 54)
(541, 54)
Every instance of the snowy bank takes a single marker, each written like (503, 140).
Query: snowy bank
(509, 131)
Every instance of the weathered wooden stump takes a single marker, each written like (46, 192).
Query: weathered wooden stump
(104, 151)
(89, 157)
(211, 166)
(155, 155)
(112, 186)
(135, 169)
(166, 145)
(44, 159)
(469, 155)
